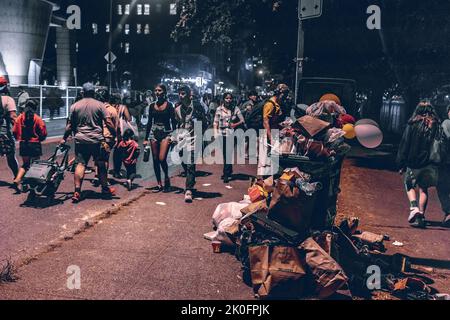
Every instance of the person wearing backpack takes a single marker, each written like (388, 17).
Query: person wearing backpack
(268, 115)
(8, 117)
(414, 160)
(443, 185)
(228, 117)
(30, 130)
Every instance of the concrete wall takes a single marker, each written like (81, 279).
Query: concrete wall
(24, 26)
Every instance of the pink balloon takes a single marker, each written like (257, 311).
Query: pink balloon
(367, 121)
(369, 136)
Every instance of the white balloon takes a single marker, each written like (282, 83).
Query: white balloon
(367, 121)
(369, 136)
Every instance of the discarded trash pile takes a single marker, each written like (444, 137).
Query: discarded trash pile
(284, 235)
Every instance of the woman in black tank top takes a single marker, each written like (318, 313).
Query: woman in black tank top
(161, 123)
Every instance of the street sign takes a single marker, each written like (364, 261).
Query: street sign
(110, 67)
(110, 57)
(308, 9)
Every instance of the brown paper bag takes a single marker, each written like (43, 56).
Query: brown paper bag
(328, 274)
(290, 207)
(277, 271)
(310, 126)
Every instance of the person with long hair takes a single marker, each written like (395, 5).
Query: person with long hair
(228, 117)
(414, 160)
(161, 123)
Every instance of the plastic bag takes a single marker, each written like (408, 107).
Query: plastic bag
(228, 210)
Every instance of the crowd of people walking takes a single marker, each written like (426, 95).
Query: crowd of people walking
(102, 128)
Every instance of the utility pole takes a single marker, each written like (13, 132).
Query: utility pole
(110, 45)
(300, 58)
(307, 9)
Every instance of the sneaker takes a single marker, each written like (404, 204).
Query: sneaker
(108, 192)
(129, 185)
(419, 221)
(413, 213)
(76, 197)
(188, 197)
(226, 179)
(167, 185)
(158, 189)
(446, 222)
(16, 186)
(117, 175)
(95, 182)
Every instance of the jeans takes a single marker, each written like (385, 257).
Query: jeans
(227, 157)
(131, 171)
(189, 169)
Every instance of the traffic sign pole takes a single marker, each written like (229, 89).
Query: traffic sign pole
(307, 9)
(110, 45)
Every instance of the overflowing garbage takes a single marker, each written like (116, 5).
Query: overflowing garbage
(284, 231)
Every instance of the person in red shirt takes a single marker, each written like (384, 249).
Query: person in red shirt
(30, 130)
(129, 150)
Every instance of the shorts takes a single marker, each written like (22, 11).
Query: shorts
(160, 135)
(84, 152)
(30, 149)
(7, 146)
(424, 177)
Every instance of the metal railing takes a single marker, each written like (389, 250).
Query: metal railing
(54, 101)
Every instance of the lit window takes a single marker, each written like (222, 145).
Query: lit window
(127, 29)
(139, 9)
(147, 9)
(119, 9)
(108, 28)
(158, 7)
(139, 28)
(127, 47)
(94, 28)
(173, 9)
(127, 9)
(119, 27)
(147, 29)
(76, 47)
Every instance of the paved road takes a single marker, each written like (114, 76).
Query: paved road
(28, 228)
(154, 247)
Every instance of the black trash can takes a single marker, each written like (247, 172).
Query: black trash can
(322, 203)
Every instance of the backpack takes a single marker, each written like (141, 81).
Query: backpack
(254, 118)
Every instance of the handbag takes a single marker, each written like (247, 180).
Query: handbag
(124, 124)
(437, 148)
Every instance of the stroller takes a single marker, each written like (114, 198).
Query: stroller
(44, 176)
